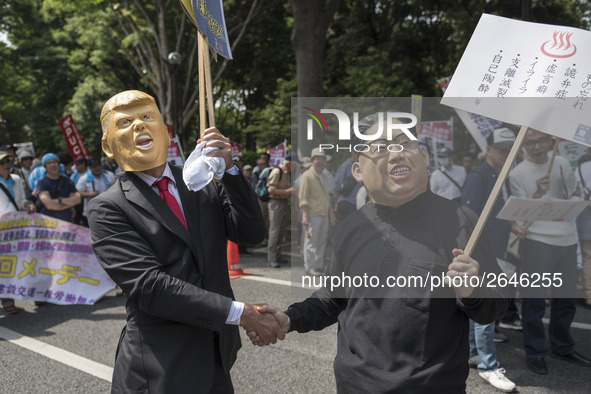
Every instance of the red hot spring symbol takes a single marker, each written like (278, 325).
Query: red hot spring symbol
(560, 45)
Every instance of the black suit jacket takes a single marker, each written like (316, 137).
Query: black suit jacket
(177, 281)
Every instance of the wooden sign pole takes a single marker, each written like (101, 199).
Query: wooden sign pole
(201, 70)
(205, 87)
(494, 193)
(208, 87)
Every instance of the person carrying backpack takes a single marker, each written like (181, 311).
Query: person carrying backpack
(57, 192)
(278, 192)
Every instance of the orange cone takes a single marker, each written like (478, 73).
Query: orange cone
(234, 268)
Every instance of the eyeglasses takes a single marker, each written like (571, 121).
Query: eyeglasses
(8, 161)
(26, 158)
(544, 141)
(383, 147)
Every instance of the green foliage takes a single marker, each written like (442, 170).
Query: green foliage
(71, 56)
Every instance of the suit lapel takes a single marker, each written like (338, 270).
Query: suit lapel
(139, 193)
(190, 201)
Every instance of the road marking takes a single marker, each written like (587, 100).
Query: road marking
(267, 280)
(582, 326)
(93, 368)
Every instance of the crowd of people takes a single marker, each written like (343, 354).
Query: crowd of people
(54, 185)
(543, 247)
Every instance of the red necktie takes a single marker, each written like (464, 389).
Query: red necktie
(169, 199)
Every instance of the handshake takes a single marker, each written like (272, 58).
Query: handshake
(264, 324)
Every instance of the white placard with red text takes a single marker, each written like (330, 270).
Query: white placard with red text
(45, 259)
(277, 154)
(73, 138)
(527, 74)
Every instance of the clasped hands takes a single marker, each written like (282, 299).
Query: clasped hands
(264, 324)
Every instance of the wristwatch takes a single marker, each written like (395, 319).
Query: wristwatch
(59, 200)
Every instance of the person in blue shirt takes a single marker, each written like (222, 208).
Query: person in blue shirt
(56, 191)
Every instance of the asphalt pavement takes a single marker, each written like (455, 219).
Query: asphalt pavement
(70, 349)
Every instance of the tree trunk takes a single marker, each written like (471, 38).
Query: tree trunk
(311, 19)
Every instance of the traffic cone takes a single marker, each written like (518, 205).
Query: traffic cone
(234, 268)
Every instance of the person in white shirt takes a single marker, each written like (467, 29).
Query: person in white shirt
(447, 181)
(92, 183)
(547, 249)
(12, 199)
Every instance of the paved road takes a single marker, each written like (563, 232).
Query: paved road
(84, 339)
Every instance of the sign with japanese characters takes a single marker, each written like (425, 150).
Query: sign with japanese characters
(45, 259)
(175, 154)
(437, 135)
(572, 152)
(74, 141)
(529, 209)
(236, 149)
(527, 74)
(478, 126)
(209, 15)
(277, 154)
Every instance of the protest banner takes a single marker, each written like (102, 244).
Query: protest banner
(45, 259)
(529, 209)
(73, 139)
(277, 154)
(209, 15)
(478, 126)
(21, 146)
(437, 135)
(443, 83)
(571, 151)
(175, 153)
(538, 80)
(236, 149)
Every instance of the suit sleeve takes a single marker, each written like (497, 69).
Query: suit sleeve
(244, 221)
(316, 312)
(134, 265)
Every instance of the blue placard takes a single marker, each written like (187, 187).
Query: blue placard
(209, 15)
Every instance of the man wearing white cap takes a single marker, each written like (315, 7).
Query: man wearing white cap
(25, 160)
(315, 205)
(447, 181)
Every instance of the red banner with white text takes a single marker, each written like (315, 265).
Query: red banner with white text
(73, 139)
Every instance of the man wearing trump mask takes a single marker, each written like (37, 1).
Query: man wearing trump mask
(165, 246)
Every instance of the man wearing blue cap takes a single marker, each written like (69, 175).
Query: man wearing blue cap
(57, 192)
